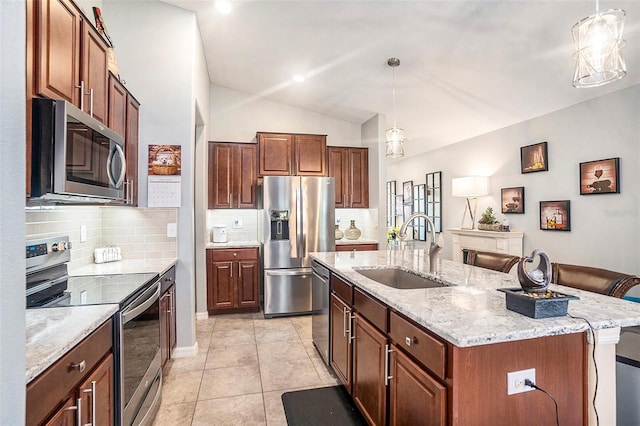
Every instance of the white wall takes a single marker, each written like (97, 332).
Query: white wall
(12, 164)
(605, 228)
(156, 52)
(373, 134)
(237, 116)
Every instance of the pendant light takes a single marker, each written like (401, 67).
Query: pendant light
(598, 41)
(395, 135)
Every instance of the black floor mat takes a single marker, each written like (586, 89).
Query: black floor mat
(322, 406)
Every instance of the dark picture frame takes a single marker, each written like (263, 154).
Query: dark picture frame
(606, 174)
(534, 158)
(555, 215)
(407, 192)
(512, 200)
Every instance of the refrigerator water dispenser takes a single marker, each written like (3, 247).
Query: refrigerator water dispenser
(279, 225)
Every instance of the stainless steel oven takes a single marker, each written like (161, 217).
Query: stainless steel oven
(139, 347)
(138, 373)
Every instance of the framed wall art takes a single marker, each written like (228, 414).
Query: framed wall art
(407, 192)
(555, 215)
(600, 177)
(512, 199)
(534, 158)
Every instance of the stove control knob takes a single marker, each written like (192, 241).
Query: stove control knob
(60, 246)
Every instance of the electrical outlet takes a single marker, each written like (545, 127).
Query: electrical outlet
(515, 381)
(237, 223)
(172, 230)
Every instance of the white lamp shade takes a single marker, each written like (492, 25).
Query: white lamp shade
(470, 186)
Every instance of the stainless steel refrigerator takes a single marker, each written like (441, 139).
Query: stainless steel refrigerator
(298, 217)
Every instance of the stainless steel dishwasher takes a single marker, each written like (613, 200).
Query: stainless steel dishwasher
(320, 309)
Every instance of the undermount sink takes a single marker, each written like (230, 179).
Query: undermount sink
(399, 278)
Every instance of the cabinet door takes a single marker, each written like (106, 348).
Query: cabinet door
(337, 168)
(245, 176)
(165, 328)
(276, 153)
(358, 178)
(131, 147)
(247, 287)
(414, 396)
(97, 392)
(369, 361)
(66, 415)
(94, 72)
(57, 44)
(117, 107)
(220, 169)
(340, 342)
(220, 284)
(310, 155)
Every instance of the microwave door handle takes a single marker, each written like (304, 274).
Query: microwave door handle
(120, 152)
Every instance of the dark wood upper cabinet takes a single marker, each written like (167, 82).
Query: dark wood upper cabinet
(291, 154)
(350, 168)
(232, 175)
(71, 57)
(124, 119)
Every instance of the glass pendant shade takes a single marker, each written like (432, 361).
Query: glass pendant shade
(598, 41)
(395, 142)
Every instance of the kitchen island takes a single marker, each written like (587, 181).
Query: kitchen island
(482, 340)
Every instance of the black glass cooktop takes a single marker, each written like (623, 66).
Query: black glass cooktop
(105, 289)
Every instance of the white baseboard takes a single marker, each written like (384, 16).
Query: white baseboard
(202, 316)
(185, 351)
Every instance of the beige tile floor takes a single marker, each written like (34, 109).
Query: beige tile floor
(244, 365)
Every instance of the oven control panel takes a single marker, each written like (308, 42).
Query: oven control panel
(45, 252)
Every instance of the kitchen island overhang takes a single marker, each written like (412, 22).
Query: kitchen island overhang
(469, 311)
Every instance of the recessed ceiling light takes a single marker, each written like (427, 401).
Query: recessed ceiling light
(223, 6)
(298, 78)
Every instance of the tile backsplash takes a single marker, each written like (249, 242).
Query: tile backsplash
(366, 221)
(141, 233)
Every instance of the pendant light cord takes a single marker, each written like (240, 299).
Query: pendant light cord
(393, 91)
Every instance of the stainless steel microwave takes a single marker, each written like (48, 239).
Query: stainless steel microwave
(75, 158)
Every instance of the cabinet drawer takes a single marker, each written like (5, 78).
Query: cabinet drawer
(424, 347)
(234, 254)
(371, 309)
(47, 391)
(168, 279)
(342, 289)
(356, 247)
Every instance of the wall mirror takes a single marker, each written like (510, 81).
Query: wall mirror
(434, 199)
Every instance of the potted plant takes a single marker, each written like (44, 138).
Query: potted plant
(488, 221)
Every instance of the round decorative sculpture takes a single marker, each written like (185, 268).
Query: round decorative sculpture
(352, 233)
(339, 233)
(537, 280)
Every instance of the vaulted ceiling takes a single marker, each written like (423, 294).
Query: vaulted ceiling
(467, 67)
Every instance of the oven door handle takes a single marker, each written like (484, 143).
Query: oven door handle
(141, 303)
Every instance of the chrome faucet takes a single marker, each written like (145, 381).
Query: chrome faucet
(434, 247)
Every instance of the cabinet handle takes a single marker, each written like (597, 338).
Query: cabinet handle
(409, 340)
(229, 197)
(93, 402)
(91, 102)
(387, 377)
(81, 87)
(351, 336)
(239, 271)
(344, 321)
(168, 279)
(232, 269)
(170, 296)
(80, 366)
(78, 408)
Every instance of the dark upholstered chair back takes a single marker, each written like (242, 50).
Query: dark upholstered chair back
(596, 280)
(489, 260)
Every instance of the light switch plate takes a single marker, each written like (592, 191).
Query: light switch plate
(83, 233)
(237, 223)
(172, 230)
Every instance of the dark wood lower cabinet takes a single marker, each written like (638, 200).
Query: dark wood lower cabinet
(369, 368)
(232, 280)
(415, 398)
(340, 340)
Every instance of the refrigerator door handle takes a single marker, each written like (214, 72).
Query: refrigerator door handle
(299, 223)
(294, 272)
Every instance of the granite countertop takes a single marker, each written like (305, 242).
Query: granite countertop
(130, 266)
(344, 241)
(52, 332)
(234, 244)
(469, 311)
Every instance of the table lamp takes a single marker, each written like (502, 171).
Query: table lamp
(470, 187)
